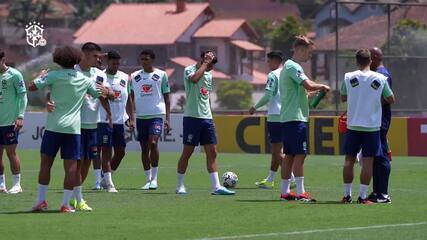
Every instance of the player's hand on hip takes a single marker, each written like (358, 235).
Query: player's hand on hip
(50, 106)
(19, 123)
(252, 110)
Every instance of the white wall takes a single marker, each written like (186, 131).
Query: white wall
(222, 51)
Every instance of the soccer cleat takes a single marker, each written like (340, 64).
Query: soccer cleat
(346, 199)
(15, 189)
(97, 187)
(3, 189)
(66, 209)
(265, 184)
(103, 184)
(40, 207)
(288, 196)
(223, 191)
(181, 190)
(383, 198)
(364, 201)
(153, 185)
(73, 203)
(373, 197)
(146, 186)
(83, 207)
(305, 197)
(111, 189)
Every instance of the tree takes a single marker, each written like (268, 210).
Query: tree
(21, 12)
(234, 94)
(283, 34)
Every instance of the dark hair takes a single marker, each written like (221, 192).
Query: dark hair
(148, 52)
(90, 47)
(275, 55)
(1, 54)
(67, 56)
(214, 61)
(363, 57)
(113, 55)
(302, 41)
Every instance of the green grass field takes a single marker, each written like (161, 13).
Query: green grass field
(251, 214)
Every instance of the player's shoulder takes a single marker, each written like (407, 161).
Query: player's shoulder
(122, 75)
(353, 74)
(99, 72)
(160, 72)
(14, 71)
(190, 69)
(274, 75)
(290, 64)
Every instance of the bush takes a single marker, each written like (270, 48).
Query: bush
(234, 94)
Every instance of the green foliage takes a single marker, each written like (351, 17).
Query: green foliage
(263, 27)
(283, 33)
(234, 94)
(21, 12)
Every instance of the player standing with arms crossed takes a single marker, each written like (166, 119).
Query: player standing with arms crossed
(294, 85)
(13, 102)
(198, 126)
(363, 90)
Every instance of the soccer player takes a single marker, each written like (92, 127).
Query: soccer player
(272, 98)
(150, 93)
(121, 107)
(68, 91)
(198, 126)
(13, 102)
(294, 85)
(382, 166)
(363, 90)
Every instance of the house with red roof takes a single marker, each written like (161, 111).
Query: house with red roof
(178, 33)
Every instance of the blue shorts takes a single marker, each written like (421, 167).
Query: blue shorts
(198, 131)
(294, 137)
(275, 133)
(369, 142)
(111, 137)
(89, 144)
(8, 135)
(148, 127)
(68, 143)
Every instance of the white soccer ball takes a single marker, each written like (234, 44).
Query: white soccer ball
(229, 180)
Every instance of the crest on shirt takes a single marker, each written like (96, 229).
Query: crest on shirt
(155, 77)
(137, 78)
(146, 89)
(375, 84)
(117, 94)
(21, 84)
(99, 79)
(354, 82)
(299, 73)
(204, 91)
(123, 83)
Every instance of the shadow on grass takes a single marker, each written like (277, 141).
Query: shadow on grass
(289, 202)
(29, 212)
(258, 200)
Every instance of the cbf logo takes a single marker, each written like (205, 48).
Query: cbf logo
(34, 31)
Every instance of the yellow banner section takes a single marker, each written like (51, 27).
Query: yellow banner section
(248, 134)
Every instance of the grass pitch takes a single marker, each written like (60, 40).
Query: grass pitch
(251, 214)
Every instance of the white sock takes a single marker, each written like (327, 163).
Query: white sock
(67, 196)
(42, 193)
(271, 176)
(292, 177)
(154, 171)
(286, 186)
(98, 175)
(147, 175)
(181, 179)
(16, 179)
(2, 181)
(300, 185)
(78, 194)
(214, 180)
(108, 179)
(347, 189)
(363, 191)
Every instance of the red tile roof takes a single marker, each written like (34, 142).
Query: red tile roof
(186, 61)
(253, 9)
(223, 28)
(259, 78)
(369, 32)
(83, 28)
(142, 24)
(247, 45)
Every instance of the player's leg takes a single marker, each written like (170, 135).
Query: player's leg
(2, 177)
(119, 144)
(288, 161)
(153, 140)
(371, 147)
(97, 165)
(51, 143)
(381, 173)
(143, 127)
(70, 169)
(105, 136)
(352, 146)
(187, 151)
(275, 137)
(10, 145)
